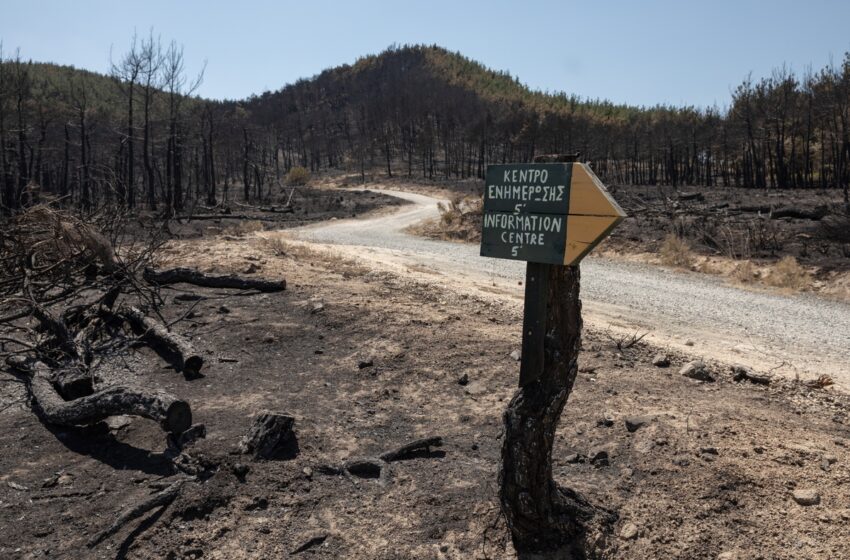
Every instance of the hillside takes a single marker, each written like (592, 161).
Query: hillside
(415, 110)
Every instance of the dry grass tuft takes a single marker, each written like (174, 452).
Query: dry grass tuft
(745, 272)
(279, 246)
(788, 273)
(245, 227)
(276, 245)
(297, 176)
(675, 251)
(460, 219)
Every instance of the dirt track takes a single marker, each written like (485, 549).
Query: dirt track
(796, 335)
(710, 474)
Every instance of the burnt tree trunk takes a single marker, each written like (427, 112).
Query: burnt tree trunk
(540, 514)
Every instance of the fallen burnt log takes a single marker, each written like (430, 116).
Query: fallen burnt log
(180, 350)
(190, 276)
(274, 209)
(277, 209)
(698, 196)
(228, 217)
(172, 414)
(418, 448)
(814, 214)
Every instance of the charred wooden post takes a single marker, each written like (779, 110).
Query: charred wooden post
(189, 276)
(539, 513)
(268, 434)
(172, 414)
(174, 345)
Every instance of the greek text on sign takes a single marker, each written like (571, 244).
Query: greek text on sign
(551, 213)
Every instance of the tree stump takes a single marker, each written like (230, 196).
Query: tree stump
(269, 436)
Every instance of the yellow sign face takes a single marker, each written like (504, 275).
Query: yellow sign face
(593, 214)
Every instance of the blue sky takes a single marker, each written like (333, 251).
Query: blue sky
(636, 52)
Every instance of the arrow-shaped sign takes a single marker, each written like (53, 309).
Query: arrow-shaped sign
(552, 213)
(593, 213)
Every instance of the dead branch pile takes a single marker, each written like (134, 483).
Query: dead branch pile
(59, 282)
(52, 246)
(75, 292)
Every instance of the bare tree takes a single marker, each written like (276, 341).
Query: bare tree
(178, 88)
(126, 73)
(152, 61)
(21, 88)
(79, 99)
(6, 184)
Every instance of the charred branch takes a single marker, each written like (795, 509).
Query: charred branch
(189, 276)
(160, 499)
(175, 347)
(413, 449)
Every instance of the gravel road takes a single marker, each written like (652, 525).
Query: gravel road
(797, 335)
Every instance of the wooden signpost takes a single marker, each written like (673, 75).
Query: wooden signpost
(550, 213)
(545, 214)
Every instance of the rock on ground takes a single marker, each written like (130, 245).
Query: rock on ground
(696, 370)
(629, 531)
(634, 423)
(743, 373)
(661, 360)
(806, 496)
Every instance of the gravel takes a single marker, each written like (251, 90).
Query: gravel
(811, 333)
